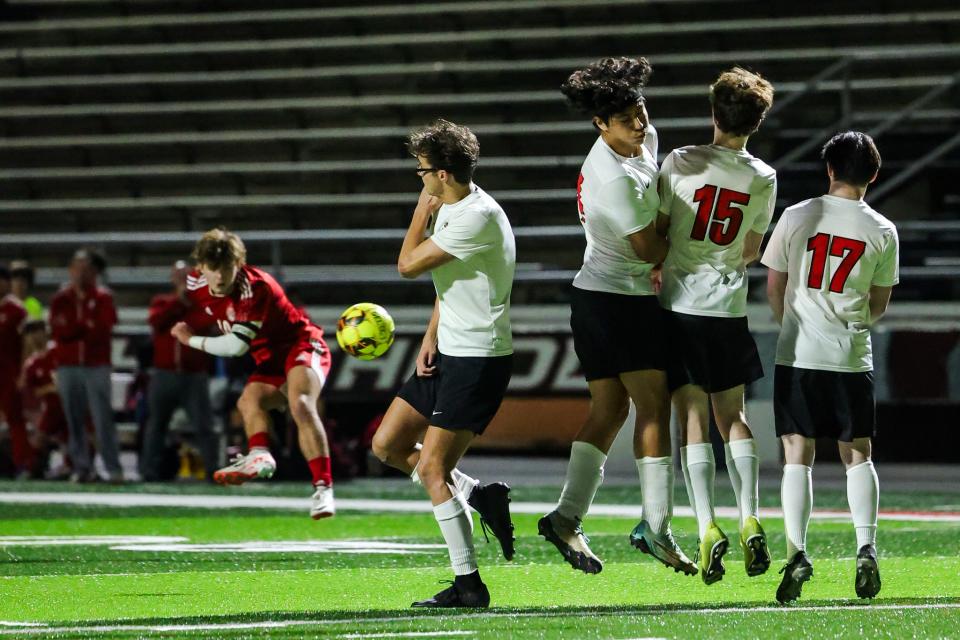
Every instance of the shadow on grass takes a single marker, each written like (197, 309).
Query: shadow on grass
(347, 616)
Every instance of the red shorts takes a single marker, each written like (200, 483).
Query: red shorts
(309, 351)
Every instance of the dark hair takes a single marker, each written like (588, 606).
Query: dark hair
(607, 86)
(740, 101)
(96, 259)
(22, 269)
(32, 326)
(4, 272)
(853, 156)
(448, 146)
(218, 248)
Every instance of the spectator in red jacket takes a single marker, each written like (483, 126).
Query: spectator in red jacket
(82, 317)
(12, 317)
(37, 382)
(179, 379)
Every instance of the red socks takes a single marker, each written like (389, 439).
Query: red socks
(320, 468)
(259, 441)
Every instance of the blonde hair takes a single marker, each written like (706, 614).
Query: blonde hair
(219, 248)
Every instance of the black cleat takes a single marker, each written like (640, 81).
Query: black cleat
(868, 573)
(567, 536)
(467, 592)
(492, 503)
(795, 573)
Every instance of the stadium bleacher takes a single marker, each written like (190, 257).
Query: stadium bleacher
(160, 118)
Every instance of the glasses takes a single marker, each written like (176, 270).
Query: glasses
(421, 171)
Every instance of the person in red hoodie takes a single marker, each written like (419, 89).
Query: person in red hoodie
(12, 317)
(179, 378)
(82, 317)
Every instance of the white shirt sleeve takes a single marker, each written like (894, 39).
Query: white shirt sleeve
(628, 205)
(465, 235)
(888, 267)
(767, 201)
(775, 255)
(664, 186)
(228, 346)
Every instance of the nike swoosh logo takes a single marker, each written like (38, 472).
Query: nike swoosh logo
(437, 412)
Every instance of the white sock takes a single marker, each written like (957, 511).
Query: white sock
(584, 475)
(863, 494)
(796, 494)
(747, 463)
(734, 476)
(686, 479)
(656, 483)
(456, 525)
(465, 484)
(700, 472)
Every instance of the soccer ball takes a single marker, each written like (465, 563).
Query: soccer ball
(365, 331)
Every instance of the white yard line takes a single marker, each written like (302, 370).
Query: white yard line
(226, 501)
(586, 613)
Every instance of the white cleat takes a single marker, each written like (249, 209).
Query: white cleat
(322, 506)
(256, 464)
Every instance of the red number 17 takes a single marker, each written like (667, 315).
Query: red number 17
(849, 249)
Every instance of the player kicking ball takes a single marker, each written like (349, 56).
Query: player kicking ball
(716, 202)
(617, 202)
(253, 314)
(466, 357)
(833, 262)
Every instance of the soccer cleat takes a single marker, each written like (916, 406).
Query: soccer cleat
(868, 572)
(710, 554)
(256, 464)
(663, 547)
(322, 506)
(492, 503)
(459, 595)
(567, 536)
(795, 573)
(753, 541)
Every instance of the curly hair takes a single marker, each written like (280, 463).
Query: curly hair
(448, 146)
(853, 156)
(218, 248)
(740, 101)
(607, 86)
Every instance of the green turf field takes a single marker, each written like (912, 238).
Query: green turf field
(272, 572)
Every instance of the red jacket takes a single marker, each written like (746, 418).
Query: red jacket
(82, 327)
(12, 316)
(167, 309)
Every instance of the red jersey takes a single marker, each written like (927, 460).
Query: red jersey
(167, 309)
(82, 327)
(260, 304)
(12, 316)
(38, 373)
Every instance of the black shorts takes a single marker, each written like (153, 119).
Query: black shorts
(713, 353)
(827, 404)
(615, 333)
(463, 394)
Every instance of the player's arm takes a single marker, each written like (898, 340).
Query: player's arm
(751, 247)
(776, 291)
(427, 358)
(649, 245)
(230, 345)
(879, 299)
(419, 254)
(663, 224)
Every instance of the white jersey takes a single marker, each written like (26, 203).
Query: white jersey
(474, 289)
(714, 196)
(832, 250)
(615, 199)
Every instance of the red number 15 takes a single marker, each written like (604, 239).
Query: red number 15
(722, 220)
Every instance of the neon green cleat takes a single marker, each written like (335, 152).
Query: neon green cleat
(663, 547)
(753, 541)
(710, 554)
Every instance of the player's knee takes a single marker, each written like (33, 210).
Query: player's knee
(248, 405)
(303, 410)
(382, 447)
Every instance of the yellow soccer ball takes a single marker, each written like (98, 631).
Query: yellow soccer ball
(365, 331)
